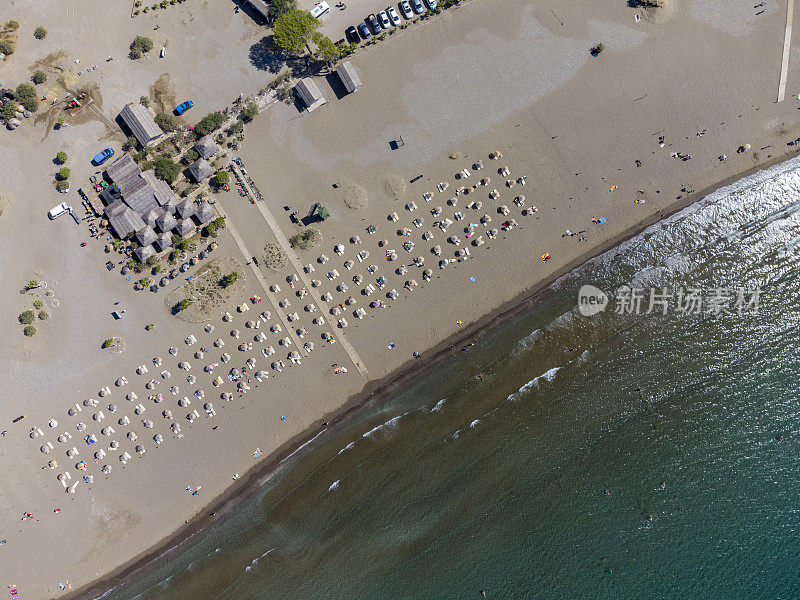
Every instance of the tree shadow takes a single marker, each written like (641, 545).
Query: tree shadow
(265, 57)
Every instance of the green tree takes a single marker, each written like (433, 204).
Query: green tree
(140, 45)
(326, 49)
(236, 128)
(278, 8)
(7, 47)
(131, 143)
(62, 186)
(25, 94)
(209, 123)
(27, 317)
(167, 169)
(250, 111)
(230, 279)
(38, 77)
(40, 33)
(294, 30)
(61, 157)
(32, 284)
(29, 331)
(221, 178)
(38, 304)
(64, 173)
(9, 110)
(11, 25)
(166, 121)
(43, 315)
(144, 101)
(182, 305)
(214, 226)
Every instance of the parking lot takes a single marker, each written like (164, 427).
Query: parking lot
(336, 20)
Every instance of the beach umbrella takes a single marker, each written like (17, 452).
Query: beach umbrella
(184, 401)
(235, 333)
(209, 328)
(112, 408)
(149, 385)
(147, 424)
(139, 409)
(158, 438)
(191, 379)
(131, 436)
(173, 350)
(157, 361)
(99, 454)
(166, 374)
(106, 469)
(81, 426)
(98, 416)
(199, 393)
(114, 444)
(174, 389)
(107, 430)
(158, 398)
(71, 412)
(34, 434)
(251, 362)
(52, 464)
(62, 438)
(309, 346)
(45, 449)
(184, 365)
(250, 324)
(212, 246)
(225, 357)
(227, 317)
(71, 453)
(140, 449)
(218, 343)
(198, 354)
(167, 414)
(190, 417)
(217, 381)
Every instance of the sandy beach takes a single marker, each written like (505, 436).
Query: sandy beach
(580, 138)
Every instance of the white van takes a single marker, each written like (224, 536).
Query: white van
(320, 9)
(57, 211)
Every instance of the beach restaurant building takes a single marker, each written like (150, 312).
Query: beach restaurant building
(140, 205)
(350, 79)
(141, 123)
(309, 93)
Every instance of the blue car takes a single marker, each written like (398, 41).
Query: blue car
(182, 108)
(102, 157)
(365, 33)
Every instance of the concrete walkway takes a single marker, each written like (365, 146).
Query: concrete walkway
(787, 43)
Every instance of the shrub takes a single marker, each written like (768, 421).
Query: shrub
(7, 47)
(221, 178)
(304, 239)
(107, 343)
(166, 121)
(27, 317)
(250, 111)
(60, 121)
(209, 123)
(43, 315)
(32, 284)
(29, 331)
(64, 173)
(182, 305)
(61, 157)
(145, 281)
(214, 226)
(166, 169)
(11, 25)
(40, 33)
(230, 279)
(25, 94)
(62, 186)
(9, 110)
(38, 304)
(236, 128)
(131, 143)
(38, 77)
(191, 156)
(141, 44)
(144, 101)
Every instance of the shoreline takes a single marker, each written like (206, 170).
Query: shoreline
(377, 389)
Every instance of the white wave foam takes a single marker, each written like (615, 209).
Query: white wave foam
(455, 433)
(389, 424)
(546, 376)
(299, 448)
(474, 424)
(334, 485)
(438, 406)
(348, 447)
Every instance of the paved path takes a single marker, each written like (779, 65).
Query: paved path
(106, 120)
(261, 280)
(787, 42)
(296, 263)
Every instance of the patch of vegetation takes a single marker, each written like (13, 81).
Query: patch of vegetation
(144, 101)
(140, 45)
(182, 305)
(61, 157)
(166, 121)
(274, 256)
(167, 169)
(25, 94)
(43, 315)
(221, 178)
(38, 77)
(107, 343)
(9, 110)
(11, 25)
(29, 331)
(63, 173)
(131, 143)
(236, 128)
(40, 33)
(293, 31)
(213, 227)
(280, 80)
(62, 186)
(305, 239)
(229, 279)
(38, 304)
(27, 317)
(278, 8)
(209, 123)
(250, 111)
(191, 156)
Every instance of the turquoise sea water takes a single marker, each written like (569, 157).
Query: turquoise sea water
(562, 457)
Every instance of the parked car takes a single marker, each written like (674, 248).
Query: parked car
(182, 108)
(351, 33)
(364, 30)
(102, 157)
(372, 21)
(393, 16)
(431, 4)
(405, 8)
(57, 211)
(418, 8)
(83, 195)
(383, 19)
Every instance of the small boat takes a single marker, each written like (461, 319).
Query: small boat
(163, 51)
